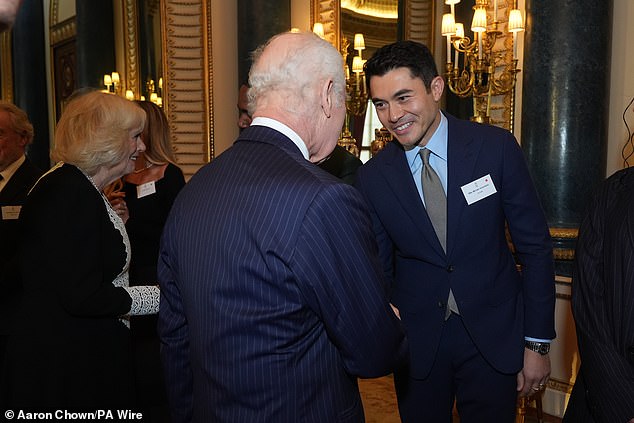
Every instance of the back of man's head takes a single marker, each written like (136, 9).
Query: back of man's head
(288, 70)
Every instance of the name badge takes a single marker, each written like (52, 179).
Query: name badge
(145, 189)
(478, 189)
(11, 212)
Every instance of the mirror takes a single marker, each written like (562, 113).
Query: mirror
(381, 22)
(378, 23)
(151, 66)
(143, 48)
(181, 32)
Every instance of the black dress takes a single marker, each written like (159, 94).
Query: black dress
(70, 349)
(145, 225)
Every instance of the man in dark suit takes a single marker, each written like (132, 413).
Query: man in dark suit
(17, 176)
(440, 197)
(272, 297)
(603, 306)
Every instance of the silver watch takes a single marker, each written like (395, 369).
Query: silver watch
(539, 347)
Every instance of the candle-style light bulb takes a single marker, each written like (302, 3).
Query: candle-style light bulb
(107, 80)
(478, 26)
(115, 77)
(459, 36)
(515, 25)
(129, 95)
(359, 42)
(448, 29)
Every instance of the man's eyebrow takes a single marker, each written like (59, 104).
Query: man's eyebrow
(395, 95)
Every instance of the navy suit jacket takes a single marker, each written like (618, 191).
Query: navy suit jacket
(499, 306)
(272, 292)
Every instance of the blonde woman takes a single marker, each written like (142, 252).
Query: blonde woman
(71, 347)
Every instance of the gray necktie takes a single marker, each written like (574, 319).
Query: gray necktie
(435, 199)
(436, 206)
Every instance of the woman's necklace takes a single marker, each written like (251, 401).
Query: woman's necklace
(147, 166)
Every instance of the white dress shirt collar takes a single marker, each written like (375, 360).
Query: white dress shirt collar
(10, 170)
(280, 127)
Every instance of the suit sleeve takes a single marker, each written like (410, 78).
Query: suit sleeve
(174, 332)
(337, 265)
(385, 244)
(531, 238)
(600, 314)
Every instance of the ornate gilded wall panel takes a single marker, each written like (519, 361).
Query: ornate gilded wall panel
(6, 73)
(418, 21)
(188, 70)
(63, 58)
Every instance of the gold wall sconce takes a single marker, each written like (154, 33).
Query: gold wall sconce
(488, 69)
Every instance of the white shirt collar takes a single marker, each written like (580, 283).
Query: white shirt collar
(10, 170)
(280, 127)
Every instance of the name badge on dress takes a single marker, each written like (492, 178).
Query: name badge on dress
(146, 189)
(11, 212)
(478, 189)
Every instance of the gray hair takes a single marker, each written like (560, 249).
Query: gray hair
(297, 73)
(20, 122)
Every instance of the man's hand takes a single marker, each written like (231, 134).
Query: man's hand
(534, 376)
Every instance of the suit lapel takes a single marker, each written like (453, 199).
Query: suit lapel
(14, 187)
(399, 178)
(462, 155)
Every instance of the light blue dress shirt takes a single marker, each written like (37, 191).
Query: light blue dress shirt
(437, 159)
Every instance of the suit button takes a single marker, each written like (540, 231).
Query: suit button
(441, 304)
(449, 268)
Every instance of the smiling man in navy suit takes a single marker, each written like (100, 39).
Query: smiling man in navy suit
(440, 198)
(272, 294)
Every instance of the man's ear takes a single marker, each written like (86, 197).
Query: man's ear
(326, 94)
(437, 87)
(23, 141)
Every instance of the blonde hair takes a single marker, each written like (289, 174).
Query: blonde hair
(19, 120)
(94, 130)
(156, 135)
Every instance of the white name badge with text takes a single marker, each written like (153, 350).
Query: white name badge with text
(478, 189)
(145, 189)
(11, 212)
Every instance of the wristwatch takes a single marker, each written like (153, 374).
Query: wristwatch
(539, 347)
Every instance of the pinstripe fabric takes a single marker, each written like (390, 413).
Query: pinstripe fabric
(272, 300)
(603, 305)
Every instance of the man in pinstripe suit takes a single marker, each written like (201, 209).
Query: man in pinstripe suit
(272, 300)
(603, 306)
